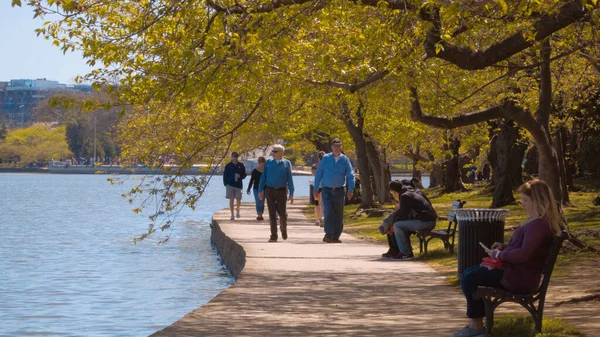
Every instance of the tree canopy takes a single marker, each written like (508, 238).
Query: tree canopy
(200, 76)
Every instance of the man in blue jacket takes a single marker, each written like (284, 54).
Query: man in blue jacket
(275, 181)
(233, 175)
(333, 172)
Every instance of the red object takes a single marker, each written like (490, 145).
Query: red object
(488, 261)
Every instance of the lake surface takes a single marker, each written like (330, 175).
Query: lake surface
(68, 265)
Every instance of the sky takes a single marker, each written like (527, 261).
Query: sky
(25, 55)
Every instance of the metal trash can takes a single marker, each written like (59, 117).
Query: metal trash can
(476, 225)
(312, 196)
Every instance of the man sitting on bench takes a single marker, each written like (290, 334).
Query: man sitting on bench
(414, 213)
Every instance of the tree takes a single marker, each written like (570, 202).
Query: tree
(39, 143)
(3, 130)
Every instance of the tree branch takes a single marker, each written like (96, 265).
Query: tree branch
(470, 118)
(472, 59)
(352, 88)
(274, 4)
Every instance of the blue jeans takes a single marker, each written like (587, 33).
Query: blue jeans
(402, 229)
(260, 204)
(333, 207)
(479, 276)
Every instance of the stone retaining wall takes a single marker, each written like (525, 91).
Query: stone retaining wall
(232, 254)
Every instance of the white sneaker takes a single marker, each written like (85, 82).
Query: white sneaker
(238, 214)
(467, 331)
(317, 222)
(232, 217)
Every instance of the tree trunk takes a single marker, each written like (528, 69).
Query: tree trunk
(356, 133)
(506, 156)
(560, 153)
(320, 140)
(437, 177)
(453, 181)
(380, 169)
(532, 162)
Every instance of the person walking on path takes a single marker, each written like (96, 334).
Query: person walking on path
(233, 175)
(253, 184)
(333, 172)
(275, 182)
(523, 256)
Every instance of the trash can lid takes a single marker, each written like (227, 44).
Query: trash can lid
(481, 214)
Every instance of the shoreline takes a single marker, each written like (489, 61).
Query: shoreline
(112, 170)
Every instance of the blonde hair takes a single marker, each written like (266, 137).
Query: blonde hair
(544, 205)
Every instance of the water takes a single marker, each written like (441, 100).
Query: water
(68, 266)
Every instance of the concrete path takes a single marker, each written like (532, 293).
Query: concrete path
(304, 287)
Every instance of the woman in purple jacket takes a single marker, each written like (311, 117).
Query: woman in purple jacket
(523, 256)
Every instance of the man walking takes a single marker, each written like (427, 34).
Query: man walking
(334, 169)
(233, 175)
(275, 182)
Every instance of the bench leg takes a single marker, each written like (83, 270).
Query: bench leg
(489, 316)
(538, 324)
(421, 245)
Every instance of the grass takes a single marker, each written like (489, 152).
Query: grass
(581, 215)
(522, 326)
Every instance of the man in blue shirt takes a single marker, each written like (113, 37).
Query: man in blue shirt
(275, 181)
(333, 172)
(233, 174)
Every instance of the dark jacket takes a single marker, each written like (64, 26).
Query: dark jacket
(229, 174)
(254, 180)
(414, 205)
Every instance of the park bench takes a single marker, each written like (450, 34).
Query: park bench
(446, 235)
(493, 297)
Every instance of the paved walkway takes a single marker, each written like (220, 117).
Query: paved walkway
(304, 287)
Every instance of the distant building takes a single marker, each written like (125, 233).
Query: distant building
(19, 97)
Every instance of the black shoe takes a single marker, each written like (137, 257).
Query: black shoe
(327, 239)
(400, 256)
(337, 241)
(272, 239)
(284, 234)
(389, 254)
(259, 218)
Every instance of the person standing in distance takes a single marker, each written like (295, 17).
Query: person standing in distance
(233, 175)
(275, 181)
(253, 184)
(333, 172)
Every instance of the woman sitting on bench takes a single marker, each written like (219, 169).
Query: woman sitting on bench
(523, 256)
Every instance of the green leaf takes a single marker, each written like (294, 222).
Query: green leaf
(503, 5)
(16, 3)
